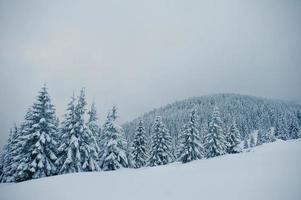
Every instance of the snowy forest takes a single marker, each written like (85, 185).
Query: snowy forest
(197, 128)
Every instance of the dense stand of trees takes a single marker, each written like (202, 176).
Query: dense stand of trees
(193, 129)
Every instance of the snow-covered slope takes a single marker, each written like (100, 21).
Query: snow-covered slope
(270, 171)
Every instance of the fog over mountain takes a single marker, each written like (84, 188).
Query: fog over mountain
(142, 55)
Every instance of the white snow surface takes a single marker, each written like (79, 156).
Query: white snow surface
(271, 171)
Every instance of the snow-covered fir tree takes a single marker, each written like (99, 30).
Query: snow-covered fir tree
(298, 116)
(246, 144)
(78, 150)
(161, 146)
(215, 141)
(233, 139)
(69, 156)
(14, 172)
(113, 145)
(39, 145)
(268, 136)
(5, 159)
(260, 136)
(190, 141)
(1, 164)
(93, 124)
(281, 129)
(294, 130)
(139, 154)
(259, 140)
(252, 141)
(10, 153)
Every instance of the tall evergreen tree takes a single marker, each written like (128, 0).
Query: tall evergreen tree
(215, 141)
(190, 141)
(281, 129)
(252, 141)
(246, 144)
(113, 145)
(69, 156)
(5, 159)
(139, 154)
(260, 137)
(92, 123)
(14, 172)
(233, 139)
(294, 130)
(78, 150)
(161, 144)
(39, 145)
(268, 136)
(298, 115)
(1, 164)
(11, 153)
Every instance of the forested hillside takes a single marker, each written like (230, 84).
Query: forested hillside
(250, 113)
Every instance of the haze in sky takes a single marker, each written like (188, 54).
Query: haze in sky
(144, 54)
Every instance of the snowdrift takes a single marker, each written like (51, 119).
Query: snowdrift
(270, 171)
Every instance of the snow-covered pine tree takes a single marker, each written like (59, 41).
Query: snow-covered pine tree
(298, 115)
(10, 155)
(203, 133)
(271, 134)
(190, 142)
(1, 164)
(78, 150)
(139, 154)
(5, 159)
(294, 130)
(113, 145)
(246, 144)
(252, 141)
(268, 136)
(88, 146)
(233, 139)
(92, 123)
(215, 141)
(39, 145)
(161, 146)
(16, 171)
(68, 152)
(281, 129)
(260, 137)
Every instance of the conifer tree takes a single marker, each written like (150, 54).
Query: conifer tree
(190, 141)
(215, 142)
(92, 123)
(252, 141)
(246, 144)
(113, 145)
(268, 136)
(294, 130)
(1, 164)
(10, 155)
(260, 137)
(16, 171)
(233, 139)
(38, 137)
(78, 150)
(161, 146)
(281, 129)
(5, 160)
(139, 154)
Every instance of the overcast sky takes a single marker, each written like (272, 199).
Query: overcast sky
(144, 54)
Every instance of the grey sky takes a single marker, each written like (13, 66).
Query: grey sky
(144, 54)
